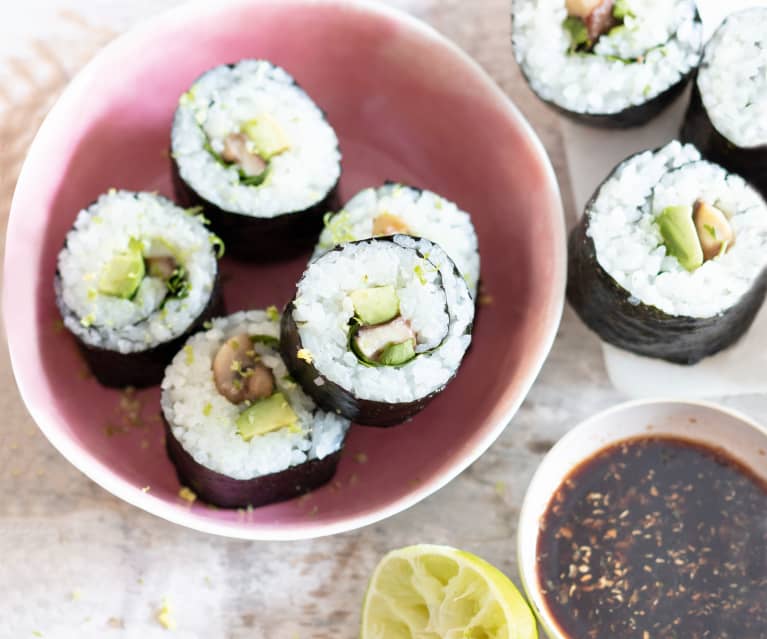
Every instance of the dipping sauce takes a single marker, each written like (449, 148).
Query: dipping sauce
(657, 538)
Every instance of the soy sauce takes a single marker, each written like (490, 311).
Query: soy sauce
(657, 538)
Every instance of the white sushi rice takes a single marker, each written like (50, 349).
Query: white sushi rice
(663, 41)
(733, 78)
(218, 104)
(630, 248)
(426, 214)
(105, 229)
(203, 420)
(323, 309)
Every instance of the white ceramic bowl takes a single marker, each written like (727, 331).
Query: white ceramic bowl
(707, 423)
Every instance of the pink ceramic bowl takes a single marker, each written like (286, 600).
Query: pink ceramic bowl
(407, 105)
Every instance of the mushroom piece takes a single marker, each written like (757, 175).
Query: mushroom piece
(389, 224)
(714, 230)
(370, 341)
(237, 374)
(597, 15)
(236, 152)
(162, 266)
(600, 20)
(259, 384)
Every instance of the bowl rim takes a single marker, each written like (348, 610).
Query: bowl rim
(526, 518)
(16, 331)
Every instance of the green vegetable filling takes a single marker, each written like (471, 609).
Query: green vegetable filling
(398, 354)
(582, 42)
(122, 275)
(378, 335)
(268, 140)
(680, 236)
(579, 33)
(375, 305)
(265, 416)
(621, 10)
(244, 178)
(340, 228)
(178, 284)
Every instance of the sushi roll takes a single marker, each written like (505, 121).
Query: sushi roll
(397, 208)
(378, 328)
(239, 430)
(252, 148)
(136, 276)
(607, 63)
(727, 117)
(669, 260)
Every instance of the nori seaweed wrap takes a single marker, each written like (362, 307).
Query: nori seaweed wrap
(252, 148)
(225, 492)
(669, 258)
(137, 276)
(378, 328)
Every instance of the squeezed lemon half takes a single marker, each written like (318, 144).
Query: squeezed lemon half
(438, 592)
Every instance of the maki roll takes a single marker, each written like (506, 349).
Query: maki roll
(252, 148)
(396, 208)
(607, 63)
(669, 258)
(136, 276)
(378, 328)
(727, 117)
(239, 430)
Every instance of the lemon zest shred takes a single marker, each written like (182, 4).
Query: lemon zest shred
(187, 494)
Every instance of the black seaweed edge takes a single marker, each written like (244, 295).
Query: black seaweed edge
(606, 307)
(260, 239)
(227, 492)
(333, 397)
(630, 117)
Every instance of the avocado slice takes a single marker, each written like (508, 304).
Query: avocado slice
(122, 275)
(267, 135)
(680, 236)
(375, 305)
(265, 416)
(398, 354)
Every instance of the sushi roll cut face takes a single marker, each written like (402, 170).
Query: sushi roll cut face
(607, 62)
(680, 247)
(378, 327)
(727, 116)
(252, 147)
(136, 273)
(733, 78)
(241, 430)
(396, 208)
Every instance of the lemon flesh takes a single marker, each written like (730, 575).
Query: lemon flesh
(438, 592)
